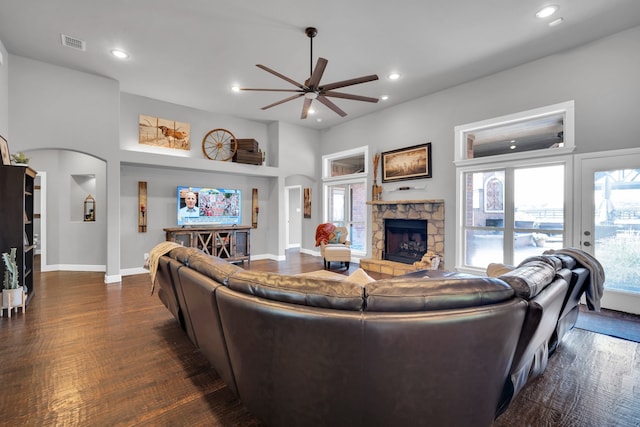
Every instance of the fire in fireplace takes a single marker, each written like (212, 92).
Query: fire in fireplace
(405, 240)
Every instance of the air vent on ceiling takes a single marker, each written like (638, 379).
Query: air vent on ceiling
(73, 42)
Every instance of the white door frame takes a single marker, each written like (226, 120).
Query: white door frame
(287, 207)
(43, 221)
(584, 213)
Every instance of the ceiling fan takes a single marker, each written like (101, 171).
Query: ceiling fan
(312, 89)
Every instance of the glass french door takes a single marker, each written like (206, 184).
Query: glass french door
(346, 207)
(611, 224)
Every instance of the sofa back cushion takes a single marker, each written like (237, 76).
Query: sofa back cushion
(301, 290)
(420, 294)
(213, 267)
(529, 279)
(183, 253)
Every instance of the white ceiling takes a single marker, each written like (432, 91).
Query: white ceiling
(191, 52)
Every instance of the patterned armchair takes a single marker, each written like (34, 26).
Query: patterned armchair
(334, 246)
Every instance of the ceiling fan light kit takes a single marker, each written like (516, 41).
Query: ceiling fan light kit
(311, 89)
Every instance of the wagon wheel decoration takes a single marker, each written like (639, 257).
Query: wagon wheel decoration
(219, 144)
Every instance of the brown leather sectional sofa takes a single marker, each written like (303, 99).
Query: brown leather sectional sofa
(413, 350)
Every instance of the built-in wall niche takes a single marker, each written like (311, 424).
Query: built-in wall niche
(82, 202)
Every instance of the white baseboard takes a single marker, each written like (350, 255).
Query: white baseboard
(309, 252)
(115, 278)
(75, 267)
(133, 271)
(268, 256)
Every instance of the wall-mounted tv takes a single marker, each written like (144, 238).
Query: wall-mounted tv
(200, 206)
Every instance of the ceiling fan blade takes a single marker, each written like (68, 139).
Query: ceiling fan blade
(331, 105)
(283, 101)
(272, 90)
(350, 96)
(305, 107)
(350, 82)
(277, 74)
(314, 80)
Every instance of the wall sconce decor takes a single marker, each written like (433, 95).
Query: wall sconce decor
(307, 203)
(89, 208)
(255, 209)
(142, 206)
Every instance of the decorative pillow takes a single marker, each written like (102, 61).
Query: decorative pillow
(360, 277)
(335, 237)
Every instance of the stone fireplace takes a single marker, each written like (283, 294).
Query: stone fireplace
(429, 211)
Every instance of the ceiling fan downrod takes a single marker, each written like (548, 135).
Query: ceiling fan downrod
(311, 32)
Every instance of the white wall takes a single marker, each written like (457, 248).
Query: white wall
(602, 78)
(161, 207)
(4, 93)
(55, 107)
(300, 164)
(71, 242)
(162, 182)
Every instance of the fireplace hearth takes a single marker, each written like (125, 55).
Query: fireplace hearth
(405, 240)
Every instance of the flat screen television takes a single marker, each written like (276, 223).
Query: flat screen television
(200, 206)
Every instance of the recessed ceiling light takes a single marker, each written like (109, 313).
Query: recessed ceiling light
(235, 88)
(555, 22)
(546, 11)
(394, 76)
(312, 111)
(384, 97)
(318, 120)
(120, 54)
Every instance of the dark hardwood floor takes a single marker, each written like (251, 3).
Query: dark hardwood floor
(90, 354)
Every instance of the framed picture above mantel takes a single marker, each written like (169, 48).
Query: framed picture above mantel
(407, 163)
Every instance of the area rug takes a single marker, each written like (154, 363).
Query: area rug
(609, 322)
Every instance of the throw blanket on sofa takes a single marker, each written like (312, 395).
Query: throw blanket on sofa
(595, 287)
(323, 233)
(154, 255)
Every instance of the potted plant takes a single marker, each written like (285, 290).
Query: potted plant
(20, 159)
(12, 292)
(539, 239)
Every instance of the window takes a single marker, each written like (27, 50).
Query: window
(345, 195)
(512, 213)
(540, 132)
(512, 201)
(346, 206)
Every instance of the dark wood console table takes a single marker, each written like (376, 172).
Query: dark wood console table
(230, 242)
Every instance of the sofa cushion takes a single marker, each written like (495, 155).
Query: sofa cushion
(213, 267)
(301, 290)
(420, 294)
(529, 279)
(183, 253)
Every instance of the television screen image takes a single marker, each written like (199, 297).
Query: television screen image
(200, 206)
